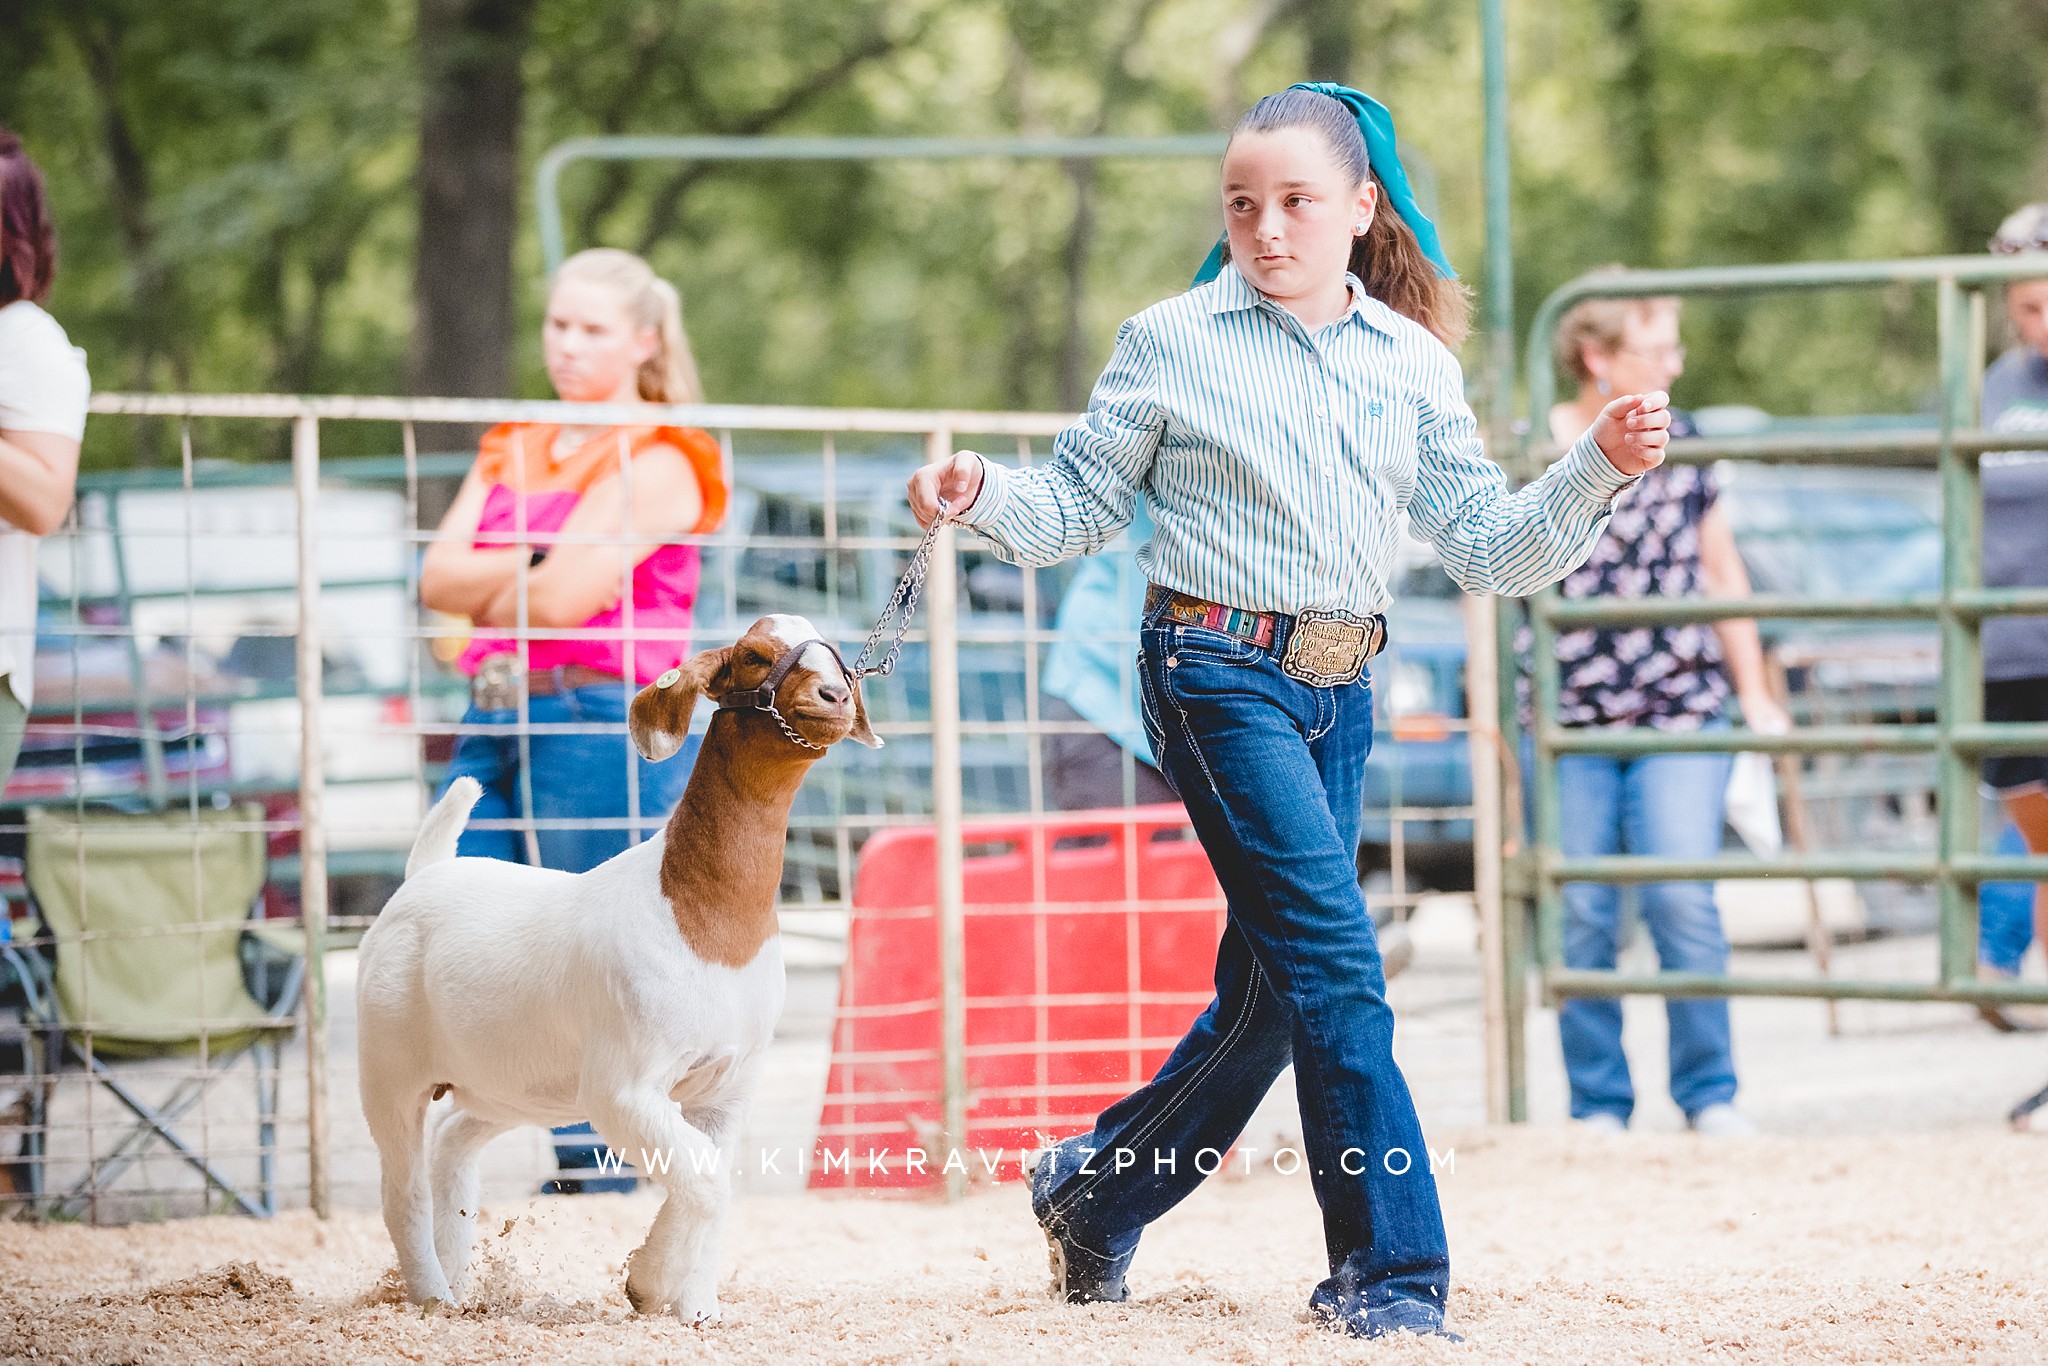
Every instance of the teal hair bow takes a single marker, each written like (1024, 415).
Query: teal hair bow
(1377, 126)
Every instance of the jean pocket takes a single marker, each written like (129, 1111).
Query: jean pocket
(1213, 647)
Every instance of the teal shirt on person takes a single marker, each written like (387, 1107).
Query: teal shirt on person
(1093, 665)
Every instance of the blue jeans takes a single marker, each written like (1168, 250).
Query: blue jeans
(575, 777)
(2005, 913)
(1271, 771)
(1669, 805)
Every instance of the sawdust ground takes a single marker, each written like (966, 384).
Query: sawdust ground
(1567, 1248)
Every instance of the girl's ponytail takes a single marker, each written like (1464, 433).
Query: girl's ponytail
(1390, 262)
(670, 374)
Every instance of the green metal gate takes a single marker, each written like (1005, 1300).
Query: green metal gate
(1534, 877)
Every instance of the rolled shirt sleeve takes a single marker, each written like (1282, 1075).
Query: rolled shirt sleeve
(1076, 502)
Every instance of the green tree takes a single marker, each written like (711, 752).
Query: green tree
(331, 194)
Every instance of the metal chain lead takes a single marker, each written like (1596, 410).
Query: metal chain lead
(904, 598)
(791, 731)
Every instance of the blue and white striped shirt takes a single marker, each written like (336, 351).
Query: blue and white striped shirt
(1278, 462)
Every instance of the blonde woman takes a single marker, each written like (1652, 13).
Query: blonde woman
(550, 526)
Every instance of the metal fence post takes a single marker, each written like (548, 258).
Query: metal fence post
(1517, 862)
(312, 802)
(1547, 822)
(1962, 656)
(943, 598)
(1483, 751)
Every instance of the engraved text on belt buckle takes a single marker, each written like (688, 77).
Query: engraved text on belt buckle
(1329, 647)
(495, 685)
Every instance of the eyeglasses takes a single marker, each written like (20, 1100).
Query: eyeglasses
(1665, 355)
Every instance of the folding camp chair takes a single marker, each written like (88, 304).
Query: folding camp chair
(156, 957)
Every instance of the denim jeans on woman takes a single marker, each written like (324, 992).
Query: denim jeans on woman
(1670, 805)
(1271, 771)
(577, 775)
(580, 762)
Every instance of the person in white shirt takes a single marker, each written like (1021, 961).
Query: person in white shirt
(43, 390)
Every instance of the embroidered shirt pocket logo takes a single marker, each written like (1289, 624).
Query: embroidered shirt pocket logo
(1375, 409)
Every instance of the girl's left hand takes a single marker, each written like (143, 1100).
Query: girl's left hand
(1765, 715)
(1633, 430)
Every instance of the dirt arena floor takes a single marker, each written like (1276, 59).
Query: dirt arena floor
(1568, 1248)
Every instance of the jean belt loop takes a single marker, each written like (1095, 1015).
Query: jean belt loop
(561, 675)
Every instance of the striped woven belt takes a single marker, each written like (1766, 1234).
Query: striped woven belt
(1256, 627)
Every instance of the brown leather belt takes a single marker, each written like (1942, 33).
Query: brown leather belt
(497, 683)
(1256, 627)
(1324, 647)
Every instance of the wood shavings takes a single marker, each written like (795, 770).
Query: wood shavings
(1649, 1248)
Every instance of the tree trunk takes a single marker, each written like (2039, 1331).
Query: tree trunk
(470, 53)
(1327, 26)
(153, 308)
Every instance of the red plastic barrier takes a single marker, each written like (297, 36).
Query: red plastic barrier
(1090, 948)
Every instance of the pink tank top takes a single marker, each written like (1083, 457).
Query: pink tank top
(530, 491)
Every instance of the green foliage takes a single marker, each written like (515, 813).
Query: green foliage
(231, 184)
(235, 179)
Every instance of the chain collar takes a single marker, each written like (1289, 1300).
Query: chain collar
(902, 606)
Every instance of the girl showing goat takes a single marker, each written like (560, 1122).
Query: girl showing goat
(1280, 419)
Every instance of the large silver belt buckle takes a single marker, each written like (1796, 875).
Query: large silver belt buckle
(495, 685)
(1328, 647)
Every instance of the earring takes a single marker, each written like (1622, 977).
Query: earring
(1359, 231)
(1603, 386)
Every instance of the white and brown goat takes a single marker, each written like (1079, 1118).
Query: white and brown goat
(640, 995)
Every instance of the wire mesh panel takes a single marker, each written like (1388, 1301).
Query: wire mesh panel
(152, 969)
(196, 763)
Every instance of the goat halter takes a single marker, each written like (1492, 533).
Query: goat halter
(762, 698)
(902, 606)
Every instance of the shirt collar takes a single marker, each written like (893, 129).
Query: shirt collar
(1230, 292)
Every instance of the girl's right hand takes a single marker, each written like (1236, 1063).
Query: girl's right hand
(956, 481)
(1633, 430)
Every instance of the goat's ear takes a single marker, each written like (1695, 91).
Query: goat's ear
(862, 731)
(660, 718)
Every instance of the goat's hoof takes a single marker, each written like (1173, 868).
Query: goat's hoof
(640, 1302)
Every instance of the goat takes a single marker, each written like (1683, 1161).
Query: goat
(640, 995)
